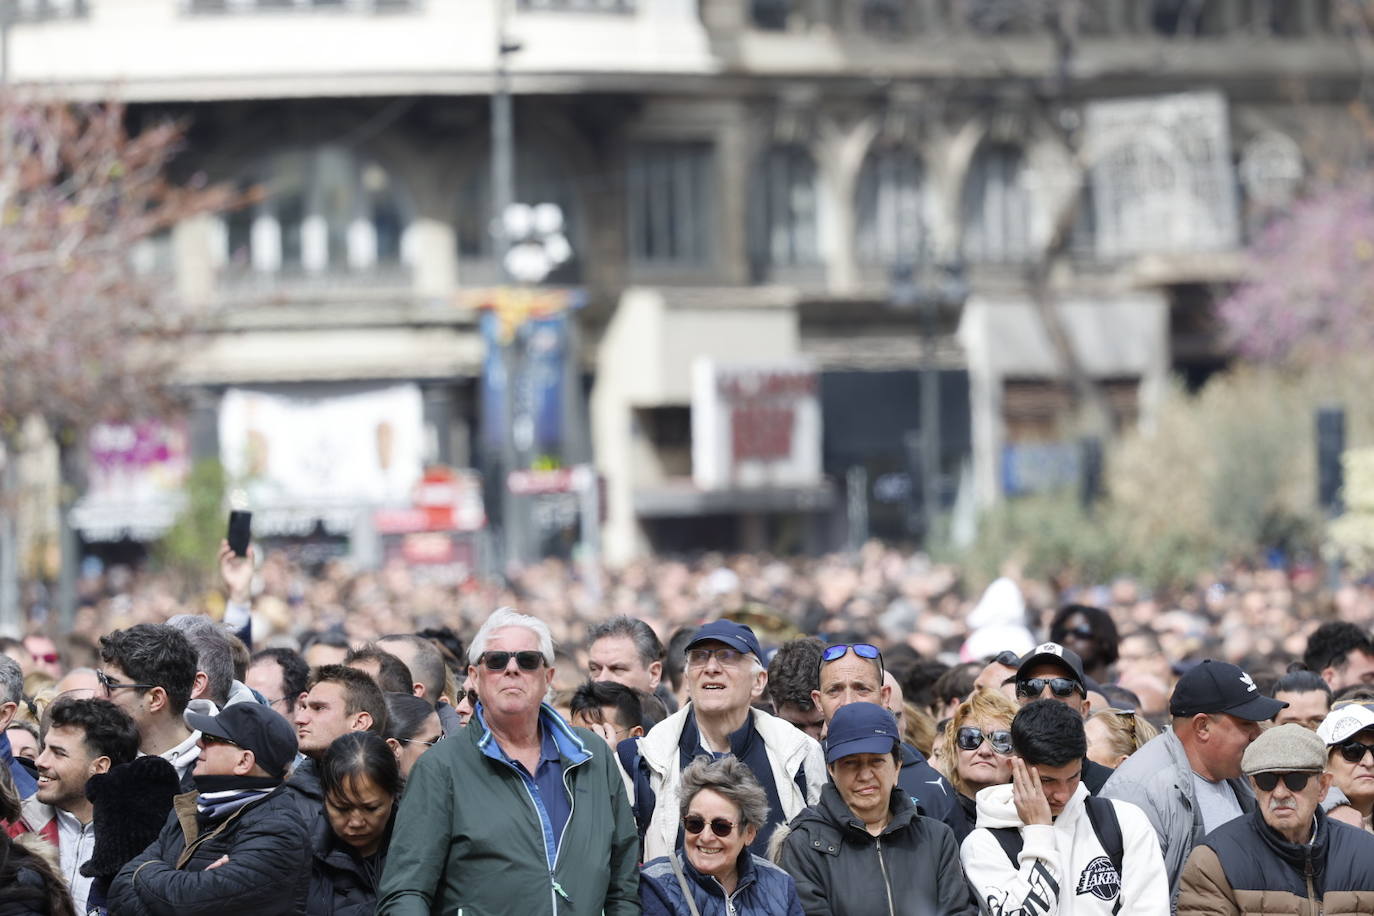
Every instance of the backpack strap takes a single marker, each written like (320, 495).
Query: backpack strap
(1009, 838)
(1102, 815)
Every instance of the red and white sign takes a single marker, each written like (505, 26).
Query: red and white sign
(444, 499)
(755, 426)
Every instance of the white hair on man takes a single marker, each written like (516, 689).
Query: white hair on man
(504, 617)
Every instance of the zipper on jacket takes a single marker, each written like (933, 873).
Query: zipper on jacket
(555, 889)
(887, 885)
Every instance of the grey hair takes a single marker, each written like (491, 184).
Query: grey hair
(730, 778)
(214, 653)
(504, 617)
(646, 642)
(11, 680)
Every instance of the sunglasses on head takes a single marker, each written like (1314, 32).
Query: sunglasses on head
(1007, 659)
(1061, 687)
(1296, 782)
(861, 649)
(1354, 751)
(527, 659)
(695, 823)
(970, 738)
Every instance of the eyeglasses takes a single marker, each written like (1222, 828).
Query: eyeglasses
(527, 659)
(1296, 782)
(861, 649)
(1082, 631)
(1354, 751)
(1007, 659)
(49, 657)
(728, 658)
(110, 685)
(695, 823)
(1061, 687)
(216, 739)
(970, 738)
(430, 743)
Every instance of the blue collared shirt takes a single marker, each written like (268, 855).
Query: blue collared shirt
(547, 784)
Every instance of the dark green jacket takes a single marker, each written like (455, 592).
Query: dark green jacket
(470, 836)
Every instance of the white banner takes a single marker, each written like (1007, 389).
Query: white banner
(755, 426)
(348, 450)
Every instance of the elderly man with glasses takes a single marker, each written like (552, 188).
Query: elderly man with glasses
(519, 813)
(1287, 856)
(725, 676)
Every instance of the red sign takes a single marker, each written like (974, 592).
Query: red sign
(537, 483)
(445, 499)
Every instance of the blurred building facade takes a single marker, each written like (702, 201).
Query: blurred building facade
(862, 189)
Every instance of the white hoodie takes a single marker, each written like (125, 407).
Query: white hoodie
(1063, 868)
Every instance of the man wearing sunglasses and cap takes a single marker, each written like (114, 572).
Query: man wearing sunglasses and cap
(1287, 856)
(1188, 780)
(1052, 672)
(725, 675)
(239, 843)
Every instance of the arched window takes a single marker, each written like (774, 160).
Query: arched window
(323, 210)
(892, 209)
(996, 206)
(784, 219)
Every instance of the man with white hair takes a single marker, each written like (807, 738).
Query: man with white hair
(519, 812)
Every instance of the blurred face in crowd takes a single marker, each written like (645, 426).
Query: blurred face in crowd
(22, 744)
(360, 816)
(1076, 700)
(1078, 636)
(512, 691)
(408, 750)
(613, 658)
(1307, 709)
(710, 854)
(1358, 669)
(722, 680)
(1100, 748)
(64, 766)
(1139, 655)
(1219, 742)
(320, 654)
(865, 783)
(464, 706)
(1355, 779)
(79, 684)
(849, 679)
(984, 765)
(322, 716)
(43, 652)
(1289, 811)
(608, 716)
(811, 721)
(266, 678)
(1059, 783)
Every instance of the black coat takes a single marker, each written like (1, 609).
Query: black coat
(267, 873)
(341, 884)
(911, 869)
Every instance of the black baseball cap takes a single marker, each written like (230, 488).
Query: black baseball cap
(253, 727)
(1215, 687)
(1053, 652)
(735, 635)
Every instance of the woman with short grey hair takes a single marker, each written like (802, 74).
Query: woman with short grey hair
(713, 873)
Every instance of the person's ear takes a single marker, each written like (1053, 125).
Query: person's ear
(637, 732)
(1120, 760)
(655, 675)
(100, 764)
(884, 694)
(395, 747)
(244, 765)
(362, 722)
(1329, 674)
(418, 689)
(1201, 725)
(760, 684)
(816, 699)
(1087, 708)
(1325, 786)
(549, 672)
(157, 699)
(7, 711)
(200, 686)
(749, 834)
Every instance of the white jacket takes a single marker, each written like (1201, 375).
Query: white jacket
(788, 749)
(1063, 868)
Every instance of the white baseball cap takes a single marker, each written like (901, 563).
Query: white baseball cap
(1340, 724)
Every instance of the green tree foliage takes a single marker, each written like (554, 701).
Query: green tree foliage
(191, 546)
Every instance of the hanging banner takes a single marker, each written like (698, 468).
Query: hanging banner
(134, 478)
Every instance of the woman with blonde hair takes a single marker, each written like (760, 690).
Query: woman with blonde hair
(1115, 734)
(978, 746)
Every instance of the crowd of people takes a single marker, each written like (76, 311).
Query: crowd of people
(753, 737)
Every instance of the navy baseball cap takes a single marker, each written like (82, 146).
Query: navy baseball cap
(860, 728)
(253, 727)
(1215, 687)
(735, 635)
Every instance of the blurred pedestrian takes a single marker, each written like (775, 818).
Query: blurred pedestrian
(791, 680)
(723, 806)
(1091, 633)
(1115, 734)
(1342, 654)
(1308, 698)
(280, 675)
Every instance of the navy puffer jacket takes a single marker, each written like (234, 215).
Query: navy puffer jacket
(763, 890)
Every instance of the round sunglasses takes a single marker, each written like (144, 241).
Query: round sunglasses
(970, 738)
(695, 823)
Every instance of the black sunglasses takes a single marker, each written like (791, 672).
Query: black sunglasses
(1296, 782)
(1059, 686)
(527, 659)
(695, 823)
(216, 739)
(1082, 631)
(1354, 751)
(970, 738)
(1007, 659)
(109, 684)
(861, 649)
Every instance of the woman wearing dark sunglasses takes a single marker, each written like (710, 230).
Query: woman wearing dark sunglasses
(723, 807)
(1349, 735)
(978, 742)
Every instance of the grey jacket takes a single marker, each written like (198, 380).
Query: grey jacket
(1159, 780)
